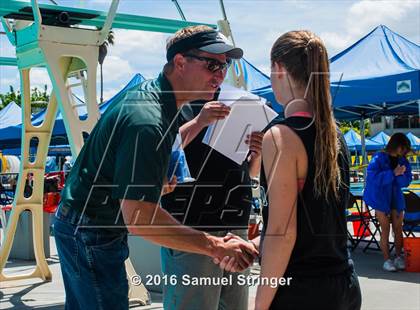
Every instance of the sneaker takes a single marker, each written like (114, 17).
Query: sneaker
(389, 266)
(399, 262)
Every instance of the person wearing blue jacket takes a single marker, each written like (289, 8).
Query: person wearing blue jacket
(388, 172)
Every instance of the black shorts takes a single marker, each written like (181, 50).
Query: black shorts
(335, 292)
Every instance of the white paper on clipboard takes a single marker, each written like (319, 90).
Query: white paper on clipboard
(229, 94)
(247, 114)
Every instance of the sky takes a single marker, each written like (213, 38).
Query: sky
(255, 25)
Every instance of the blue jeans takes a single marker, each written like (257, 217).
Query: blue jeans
(92, 263)
(193, 297)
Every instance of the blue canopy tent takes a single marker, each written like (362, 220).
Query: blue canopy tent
(11, 136)
(259, 84)
(254, 78)
(379, 74)
(10, 115)
(381, 138)
(354, 142)
(415, 141)
(53, 150)
(59, 128)
(136, 80)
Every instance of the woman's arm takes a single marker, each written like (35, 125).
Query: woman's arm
(256, 242)
(376, 174)
(254, 166)
(280, 164)
(254, 142)
(404, 179)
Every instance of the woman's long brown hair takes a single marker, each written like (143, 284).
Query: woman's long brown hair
(305, 58)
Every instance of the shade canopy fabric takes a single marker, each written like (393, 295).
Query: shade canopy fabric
(381, 138)
(10, 137)
(415, 141)
(379, 74)
(10, 115)
(354, 142)
(258, 83)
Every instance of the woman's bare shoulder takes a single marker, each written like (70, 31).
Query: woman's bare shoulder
(281, 137)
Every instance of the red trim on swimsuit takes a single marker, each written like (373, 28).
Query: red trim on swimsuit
(302, 114)
(301, 184)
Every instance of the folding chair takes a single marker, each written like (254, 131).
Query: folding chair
(377, 229)
(5, 200)
(412, 213)
(359, 217)
(411, 220)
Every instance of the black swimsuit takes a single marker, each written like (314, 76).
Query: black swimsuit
(320, 251)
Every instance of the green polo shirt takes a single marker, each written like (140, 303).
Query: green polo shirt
(126, 155)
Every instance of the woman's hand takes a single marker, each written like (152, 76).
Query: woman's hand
(399, 170)
(254, 141)
(229, 263)
(240, 259)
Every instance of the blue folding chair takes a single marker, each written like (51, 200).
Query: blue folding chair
(412, 214)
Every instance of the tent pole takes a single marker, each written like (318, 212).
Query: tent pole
(179, 10)
(364, 157)
(418, 102)
(236, 74)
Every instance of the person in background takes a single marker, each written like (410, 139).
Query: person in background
(67, 164)
(388, 172)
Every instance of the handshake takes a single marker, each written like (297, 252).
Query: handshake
(234, 254)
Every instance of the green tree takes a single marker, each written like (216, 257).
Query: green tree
(355, 125)
(39, 98)
(10, 96)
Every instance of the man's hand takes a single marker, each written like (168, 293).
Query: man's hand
(211, 112)
(254, 140)
(399, 170)
(231, 263)
(168, 188)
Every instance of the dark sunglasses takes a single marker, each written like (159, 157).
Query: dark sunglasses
(213, 65)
